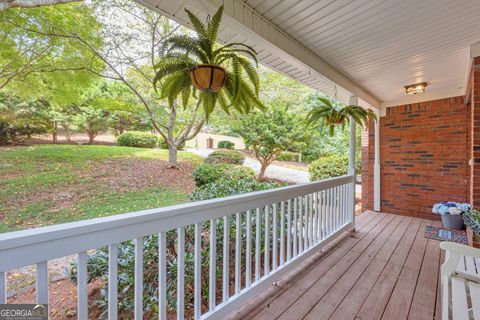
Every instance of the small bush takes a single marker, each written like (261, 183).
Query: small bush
(225, 144)
(226, 156)
(163, 145)
(289, 156)
(228, 187)
(208, 173)
(137, 139)
(328, 167)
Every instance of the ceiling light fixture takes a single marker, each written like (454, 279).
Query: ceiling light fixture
(416, 88)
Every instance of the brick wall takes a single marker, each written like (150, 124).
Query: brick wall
(424, 156)
(475, 131)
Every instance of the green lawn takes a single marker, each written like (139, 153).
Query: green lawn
(48, 184)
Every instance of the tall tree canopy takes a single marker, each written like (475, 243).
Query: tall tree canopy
(34, 61)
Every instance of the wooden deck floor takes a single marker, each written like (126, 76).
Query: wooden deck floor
(385, 270)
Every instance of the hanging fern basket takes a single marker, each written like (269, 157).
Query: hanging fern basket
(208, 78)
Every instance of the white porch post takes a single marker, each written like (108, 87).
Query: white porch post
(376, 167)
(351, 162)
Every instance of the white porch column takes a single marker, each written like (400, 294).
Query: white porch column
(351, 162)
(376, 167)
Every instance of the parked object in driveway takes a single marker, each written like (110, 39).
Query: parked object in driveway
(451, 213)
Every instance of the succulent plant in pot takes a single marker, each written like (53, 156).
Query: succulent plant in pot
(472, 221)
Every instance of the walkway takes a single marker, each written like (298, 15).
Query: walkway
(385, 270)
(273, 171)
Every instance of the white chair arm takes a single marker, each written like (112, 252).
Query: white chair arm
(460, 249)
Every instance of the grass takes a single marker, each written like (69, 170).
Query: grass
(34, 179)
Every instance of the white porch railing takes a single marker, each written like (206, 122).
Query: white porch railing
(283, 225)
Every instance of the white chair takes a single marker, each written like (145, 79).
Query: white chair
(460, 282)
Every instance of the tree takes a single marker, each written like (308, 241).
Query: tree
(133, 35)
(5, 4)
(269, 133)
(23, 118)
(181, 53)
(91, 121)
(36, 63)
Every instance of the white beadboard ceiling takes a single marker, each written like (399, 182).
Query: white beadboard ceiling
(371, 48)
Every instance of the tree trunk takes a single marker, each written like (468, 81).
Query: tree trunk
(261, 174)
(68, 136)
(55, 132)
(172, 155)
(91, 137)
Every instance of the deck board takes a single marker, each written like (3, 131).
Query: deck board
(385, 270)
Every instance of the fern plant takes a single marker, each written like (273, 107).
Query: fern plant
(331, 114)
(180, 53)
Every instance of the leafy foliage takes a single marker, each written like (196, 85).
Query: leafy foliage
(329, 113)
(270, 133)
(208, 173)
(472, 220)
(330, 167)
(226, 156)
(227, 187)
(38, 63)
(137, 139)
(21, 119)
(225, 144)
(288, 156)
(180, 53)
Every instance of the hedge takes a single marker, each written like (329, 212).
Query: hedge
(331, 166)
(226, 156)
(225, 144)
(208, 173)
(137, 139)
(289, 156)
(227, 187)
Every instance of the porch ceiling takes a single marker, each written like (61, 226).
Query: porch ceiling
(371, 48)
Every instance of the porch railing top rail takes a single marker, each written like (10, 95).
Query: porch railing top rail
(31, 246)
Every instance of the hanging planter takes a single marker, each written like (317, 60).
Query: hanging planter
(208, 78)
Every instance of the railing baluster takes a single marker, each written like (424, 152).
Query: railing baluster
(335, 207)
(282, 233)
(318, 208)
(312, 221)
(295, 227)
(198, 272)
(138, 297)
(181, 273)
(257, 244)
(332, 221)
(162, 276)
(42, 283)
(301, 233)
(344, 206)
(306, 243)
(3, 287)
(212, 265)
(274, 238)
(248, 251)
(289, 230)
(82, 274)
(267, 242)
(112, 281)
(226, 258)
(327, 212)
(238, 253)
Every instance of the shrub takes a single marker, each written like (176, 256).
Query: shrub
(328, 167)
(225, 144)
(226, 156)
(288, 156)
(137, 139)
(163, 145)
(208, 173)
(227, 187)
